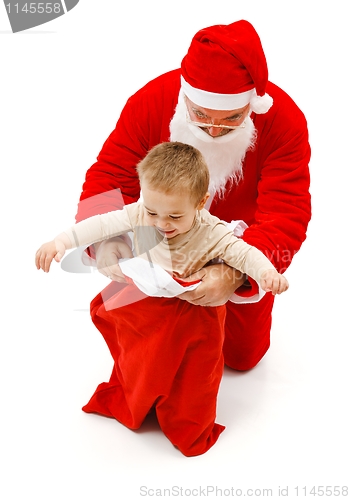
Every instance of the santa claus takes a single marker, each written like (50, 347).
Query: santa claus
(255, 141)
(258, 153)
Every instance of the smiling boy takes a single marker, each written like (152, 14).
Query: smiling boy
(156, 362)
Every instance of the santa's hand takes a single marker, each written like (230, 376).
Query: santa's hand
(108, 253)
(272, 281)
(219, 282)
(54, 249)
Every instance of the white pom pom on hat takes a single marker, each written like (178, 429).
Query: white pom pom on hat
(261, 104)
(225, 69)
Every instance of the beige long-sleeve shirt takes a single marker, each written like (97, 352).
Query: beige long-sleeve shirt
(181, 255)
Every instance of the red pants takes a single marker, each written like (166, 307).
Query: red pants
(247, 332)
(167, 355)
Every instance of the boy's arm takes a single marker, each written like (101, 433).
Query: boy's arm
(239, 255)
(252, 262)
(100, 227)
(86, 232)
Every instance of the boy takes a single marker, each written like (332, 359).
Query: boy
(155, 363)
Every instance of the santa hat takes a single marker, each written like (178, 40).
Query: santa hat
(225, 68)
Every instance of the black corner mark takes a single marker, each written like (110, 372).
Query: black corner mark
(70, 4)
(24, 15)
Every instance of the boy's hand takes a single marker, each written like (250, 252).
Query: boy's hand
(272, 281)
(54, 249)
(108, 253)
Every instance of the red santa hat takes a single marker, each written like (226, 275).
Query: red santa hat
(225, 68)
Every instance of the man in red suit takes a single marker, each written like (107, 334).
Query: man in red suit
(255, 141)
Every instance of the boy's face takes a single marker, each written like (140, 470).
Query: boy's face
(171, 214)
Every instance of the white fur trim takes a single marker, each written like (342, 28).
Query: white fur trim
(237, 227)
(261, 104)
(222, 102)
(211, 100)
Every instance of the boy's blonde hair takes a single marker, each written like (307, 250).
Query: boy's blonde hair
(174, 167)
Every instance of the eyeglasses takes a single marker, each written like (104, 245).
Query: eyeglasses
(211, 125)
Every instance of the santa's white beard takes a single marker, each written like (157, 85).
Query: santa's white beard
(224, 155)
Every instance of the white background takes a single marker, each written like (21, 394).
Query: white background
(63, 85)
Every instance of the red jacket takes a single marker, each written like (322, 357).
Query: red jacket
(273, 197)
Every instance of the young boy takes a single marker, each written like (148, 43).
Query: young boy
(156, 362)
